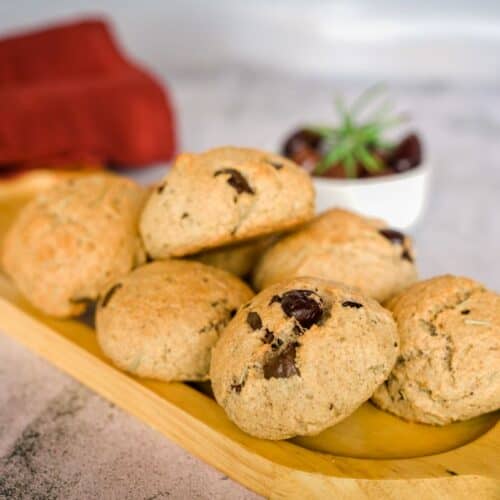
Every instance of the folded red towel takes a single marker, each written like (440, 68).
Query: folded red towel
(67, 94)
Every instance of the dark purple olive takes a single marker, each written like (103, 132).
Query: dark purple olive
(305, 306)
(304, 147)
(307, 159)
(301, 139)
(406, 155)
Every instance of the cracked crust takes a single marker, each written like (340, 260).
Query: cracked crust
(342, 246)
(301, 356)
(224, 196)
(449, 366)
(74, 240)
(162, 320)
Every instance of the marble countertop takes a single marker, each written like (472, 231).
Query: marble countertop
(59, 440)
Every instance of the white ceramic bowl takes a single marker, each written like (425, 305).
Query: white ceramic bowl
(399, 199)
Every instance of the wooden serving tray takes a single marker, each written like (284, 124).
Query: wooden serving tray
(369, 455)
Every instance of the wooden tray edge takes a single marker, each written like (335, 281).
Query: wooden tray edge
(238, 462)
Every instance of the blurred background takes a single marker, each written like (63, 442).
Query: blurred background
(389, 39)
(248, 73)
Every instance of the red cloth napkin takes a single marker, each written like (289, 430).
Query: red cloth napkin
(67, 95)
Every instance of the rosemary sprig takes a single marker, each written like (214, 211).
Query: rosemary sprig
(352, 142)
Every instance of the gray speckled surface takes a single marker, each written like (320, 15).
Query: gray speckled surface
(59, 440)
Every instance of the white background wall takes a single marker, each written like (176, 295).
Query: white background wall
(382, 39)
